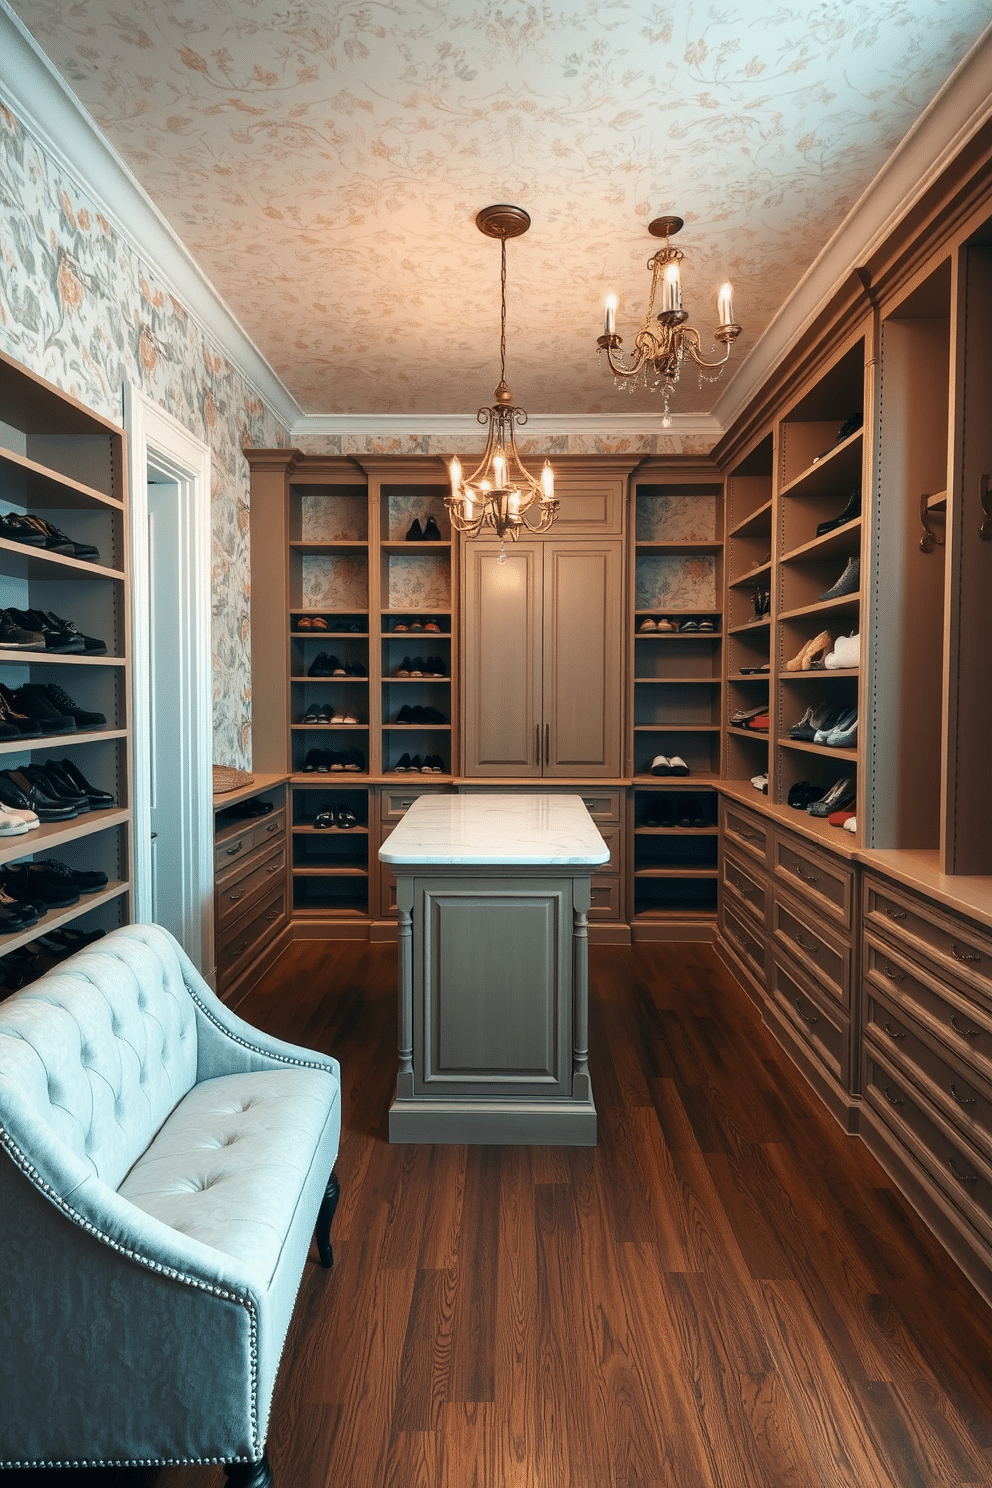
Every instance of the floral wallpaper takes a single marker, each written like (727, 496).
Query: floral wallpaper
(324, 163)
(78, 307)
(675, 583)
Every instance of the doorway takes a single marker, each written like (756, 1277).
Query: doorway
(173, 736)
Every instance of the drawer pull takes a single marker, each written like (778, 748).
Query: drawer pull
(274, 826)
(813, 950)
(741, 888)
(893, 914)
(893, 1100)
(806, 1017)
(274, 868)
(963, 955)
(895, 1033)
(273, 914)
(235, 849)
(897, 976)
(962, 1100)
(236, 951)
(233, 898)
(742, 940)
(806, 877)
(963, 1032)
(748, 836)
(961, 1177)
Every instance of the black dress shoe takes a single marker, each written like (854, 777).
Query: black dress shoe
(86, 880)
(33, 701)
(62, 703)
(17, 791)
(46, 783)
(851, 510)
(92, 646)
(403, 763)
(12, 714)
(33, 882)
(414, 532)
(58, 542)
(432, 533)
(98, 798)
(405, 715)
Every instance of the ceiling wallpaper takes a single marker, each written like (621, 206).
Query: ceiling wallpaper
(324, 163)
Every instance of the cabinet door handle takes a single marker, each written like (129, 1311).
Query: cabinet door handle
(813, 950)
(537, 743)
(963, 1032)
(893, 1100)
(963, 955)
(893, 914)
(804, 876)
(806, 1017)
(897, 976)
(547, 743)
(961, 1177)
(894, 1033)
(962, 1100)
(985, 494)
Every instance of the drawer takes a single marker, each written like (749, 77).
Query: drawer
(232, 847)
(602, 805)
(268, 828)
(827, 884)
(387, 892)
(826, 1034)
(605, 899)
(950, 1016)
(395, 801)
(961, 1099)
(745, 941)
(825, 957)
(949, 1160)
(745, 886)
(745, 830)
(949, 945)
(248, 882)
(611, 836)
(238, 946)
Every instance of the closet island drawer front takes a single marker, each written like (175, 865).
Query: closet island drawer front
(936, 939)
(827, 883)
(910, 1047)
(825, 1031)
(746, 830)
(962, 1173)
(959, 1022)
(745, 886)
(604, 901)
(249, 880)
(824, 956)
(395, 801)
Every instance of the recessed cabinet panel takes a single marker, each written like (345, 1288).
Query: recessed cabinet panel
(503, 715)
(582, 660)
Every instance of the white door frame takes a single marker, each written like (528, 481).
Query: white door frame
(158, 443)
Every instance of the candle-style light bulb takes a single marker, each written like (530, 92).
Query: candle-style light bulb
(610, 314)
(499, 472)
(725, 305)
(455, 471)
(673, 287)
(547, 483)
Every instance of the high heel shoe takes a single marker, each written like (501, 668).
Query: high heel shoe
(816, 649)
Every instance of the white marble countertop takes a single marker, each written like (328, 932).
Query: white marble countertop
(496, 828)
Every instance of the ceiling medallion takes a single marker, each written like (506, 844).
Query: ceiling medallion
(500, 492)
(659, 349)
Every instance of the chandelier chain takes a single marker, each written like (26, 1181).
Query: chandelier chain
(502, 323)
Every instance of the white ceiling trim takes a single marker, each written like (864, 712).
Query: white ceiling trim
(538, 425)
(50, 110)
(956, 112)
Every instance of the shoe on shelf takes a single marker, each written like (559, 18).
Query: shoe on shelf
(72, 939)
(58, 542)
(11, 825)
(14, 716)
(35, 703)
(312, 715)
(851, 510)
(403, 763)
(660, 765)
(760, 783)
(92, 646)
(841, 718)
(433, 626)
(65, 774)
(16, 636)
(415, 531)
(844, 738)
(63, 703)
(317, 667)
(58, 789)
(15, 528)
(709, 625)
(851, 825)
(814, 650)
(848, 583)
(32, 882)
(86, 880)
(677, 765)
(688, 626)
(432, 533)
(404, 668)
(690, 813)
(345, 819)
(57, 639)
(846, 652)
(743, 715)
(324, 819)
(755, 671)
(840, 794)
(823, 716)
(20, 795)
(356, 669)
(803, 793)
(434, 667)
(838, 818)
(647, 624)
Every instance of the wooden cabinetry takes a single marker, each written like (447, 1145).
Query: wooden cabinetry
(542, 658)
(64, 464)
(251, 881)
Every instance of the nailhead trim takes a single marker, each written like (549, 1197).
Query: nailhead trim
(236, 1038)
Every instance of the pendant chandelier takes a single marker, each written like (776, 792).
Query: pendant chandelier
(659, 348)
(500, 493)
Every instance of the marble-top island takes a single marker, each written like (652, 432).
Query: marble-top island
(493, 893)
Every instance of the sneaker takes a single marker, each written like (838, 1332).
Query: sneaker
(16, 636)
(56, 637)
(63, 703)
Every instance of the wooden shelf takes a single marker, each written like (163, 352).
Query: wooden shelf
(758, 522)
(823, 476)
(836, 544)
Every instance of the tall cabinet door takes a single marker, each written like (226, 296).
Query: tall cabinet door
(582, 630)
(503, 682)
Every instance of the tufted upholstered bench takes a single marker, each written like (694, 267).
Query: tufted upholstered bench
(163, 1168)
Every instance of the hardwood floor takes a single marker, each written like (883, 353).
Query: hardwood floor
(726, 1292)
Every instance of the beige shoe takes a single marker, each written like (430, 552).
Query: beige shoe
(816, 650)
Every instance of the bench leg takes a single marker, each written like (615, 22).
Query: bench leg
(250, 1474)
(322, 1233)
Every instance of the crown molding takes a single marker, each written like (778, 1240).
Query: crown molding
(36, 92)
(955, 113)
(539, 426)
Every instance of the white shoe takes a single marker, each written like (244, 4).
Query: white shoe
(677, 765)
(760, 783)
(11, 826)
(846, 653)
(660, 765)
(851, 825)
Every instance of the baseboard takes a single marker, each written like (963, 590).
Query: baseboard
(844, 1107)
(614, 933)
(742, 973)
(270, 953)
(673, 929)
